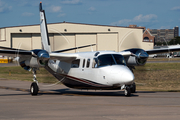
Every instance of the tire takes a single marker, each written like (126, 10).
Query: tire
(34, 89)
(133, 88)
(127, 92)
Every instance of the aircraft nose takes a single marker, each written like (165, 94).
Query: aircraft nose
(122, 75)
(127, 77)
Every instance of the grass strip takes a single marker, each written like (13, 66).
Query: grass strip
(151, 77)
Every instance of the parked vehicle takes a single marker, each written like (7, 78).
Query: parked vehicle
(153, 56)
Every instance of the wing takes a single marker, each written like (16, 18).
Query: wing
(125, 53)
(7, 48)
(15, 53)
(163, 50)
(54, 56)
(137, 56)
(63, 56)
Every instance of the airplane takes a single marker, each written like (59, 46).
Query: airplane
(98, 70)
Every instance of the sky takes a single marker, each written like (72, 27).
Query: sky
(153, 14)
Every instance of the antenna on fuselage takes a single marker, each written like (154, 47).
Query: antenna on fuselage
(91, 48)
(77, 49)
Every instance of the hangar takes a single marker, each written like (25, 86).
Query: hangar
(66, 35)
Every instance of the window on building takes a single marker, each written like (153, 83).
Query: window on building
(146, 39)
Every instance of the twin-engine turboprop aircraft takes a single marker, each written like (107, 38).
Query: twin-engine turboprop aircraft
(104, 70)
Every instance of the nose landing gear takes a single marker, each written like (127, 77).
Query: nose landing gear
(34, 86)
(127, 91)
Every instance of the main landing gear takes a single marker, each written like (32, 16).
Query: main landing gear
(133, 88)
(34, 86)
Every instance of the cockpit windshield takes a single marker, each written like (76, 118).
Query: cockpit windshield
(109, 59)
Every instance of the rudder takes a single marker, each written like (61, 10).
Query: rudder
(44, 31)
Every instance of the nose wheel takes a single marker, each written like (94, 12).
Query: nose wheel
(127, 91)
(34, 86)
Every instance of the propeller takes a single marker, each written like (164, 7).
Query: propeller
(140, 54)
(42, 56)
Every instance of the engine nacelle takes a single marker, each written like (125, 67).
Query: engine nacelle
(138, 58)
(39, 59)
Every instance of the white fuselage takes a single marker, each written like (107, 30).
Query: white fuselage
(82, 73)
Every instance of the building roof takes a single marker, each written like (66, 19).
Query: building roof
(74, 23)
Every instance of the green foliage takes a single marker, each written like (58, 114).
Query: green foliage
(158, 77)
(152, 76)
(17, 73)
(160, 43)
(174, 41)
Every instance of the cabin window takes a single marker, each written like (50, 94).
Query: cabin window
(88, 63)
(83, 63)
(75, 63)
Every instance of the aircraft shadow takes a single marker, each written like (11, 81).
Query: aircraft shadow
(15, 94)
(26, 91)
(71, 92)
(145, 92)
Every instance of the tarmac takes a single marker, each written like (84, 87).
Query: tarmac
(61, 103)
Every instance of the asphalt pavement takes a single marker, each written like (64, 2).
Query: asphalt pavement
(61, 103)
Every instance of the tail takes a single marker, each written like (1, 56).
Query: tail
(44, 31)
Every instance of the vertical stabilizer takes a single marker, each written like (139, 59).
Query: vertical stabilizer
(44, 31)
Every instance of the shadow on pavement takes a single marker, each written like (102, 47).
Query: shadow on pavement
(68, 92)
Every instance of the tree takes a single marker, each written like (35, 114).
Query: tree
(174, 41)
(160, 43)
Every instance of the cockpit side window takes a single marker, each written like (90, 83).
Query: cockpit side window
(95, 63)
(75, 63)
(119, 59)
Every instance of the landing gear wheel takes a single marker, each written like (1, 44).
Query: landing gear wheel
(127, 91)
(133, 88)
(34, 88)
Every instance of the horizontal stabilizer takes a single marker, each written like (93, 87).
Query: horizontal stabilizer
(73, 48)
